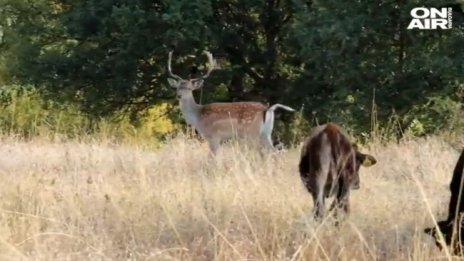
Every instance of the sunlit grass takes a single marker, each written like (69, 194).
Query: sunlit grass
(97, 201)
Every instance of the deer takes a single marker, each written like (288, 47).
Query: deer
(219, 121)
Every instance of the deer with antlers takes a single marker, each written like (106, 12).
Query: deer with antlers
(223, 120)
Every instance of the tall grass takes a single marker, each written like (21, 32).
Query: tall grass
(110, 190)
(97, 201)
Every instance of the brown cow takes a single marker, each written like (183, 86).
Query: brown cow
(454, 222)
(329, 164)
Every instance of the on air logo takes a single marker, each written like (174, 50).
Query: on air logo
(431, 18)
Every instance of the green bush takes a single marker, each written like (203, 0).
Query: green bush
(24, 113)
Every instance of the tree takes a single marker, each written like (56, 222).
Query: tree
(344, 61)
(355, 50)
(102, 54)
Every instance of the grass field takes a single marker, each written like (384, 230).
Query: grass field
(76, 201)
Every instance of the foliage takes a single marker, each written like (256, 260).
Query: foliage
(155, 122)
(24, 112)
(82, 201)
(435, 115)
(364, 61)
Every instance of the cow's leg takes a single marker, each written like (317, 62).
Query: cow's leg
(318, 201)
(343, 197)
(319, 204)
(334, 206)
(460, 239)
(317, 192)
(319, 168)
(446, 228)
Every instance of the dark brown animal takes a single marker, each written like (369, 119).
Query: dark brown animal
(454, 221)
(329, 164)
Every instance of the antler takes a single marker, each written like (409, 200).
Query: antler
(169, 68)
(211, 62)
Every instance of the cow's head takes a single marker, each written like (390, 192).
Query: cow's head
(361, 159)
(364, 160)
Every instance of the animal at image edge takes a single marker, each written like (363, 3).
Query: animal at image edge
(329, 166)
(455, 212)
(220, 121)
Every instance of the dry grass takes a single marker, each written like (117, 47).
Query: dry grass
(74, 201)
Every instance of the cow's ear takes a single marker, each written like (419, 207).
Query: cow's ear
(368, 160)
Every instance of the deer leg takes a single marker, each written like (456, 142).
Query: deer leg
(266, 141)
(266, 130)
(213, 145)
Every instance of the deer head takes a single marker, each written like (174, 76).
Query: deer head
(185, 87)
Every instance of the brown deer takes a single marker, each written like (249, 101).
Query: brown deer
(223, 120)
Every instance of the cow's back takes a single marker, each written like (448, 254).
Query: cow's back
(325, 153)
(308, 149)
(340, 145)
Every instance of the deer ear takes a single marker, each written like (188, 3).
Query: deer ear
(368, 160)
(173, 82)
(196, 84)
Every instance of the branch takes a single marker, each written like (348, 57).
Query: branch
(250, 71)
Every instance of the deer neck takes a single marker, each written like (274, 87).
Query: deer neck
(190, 109)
